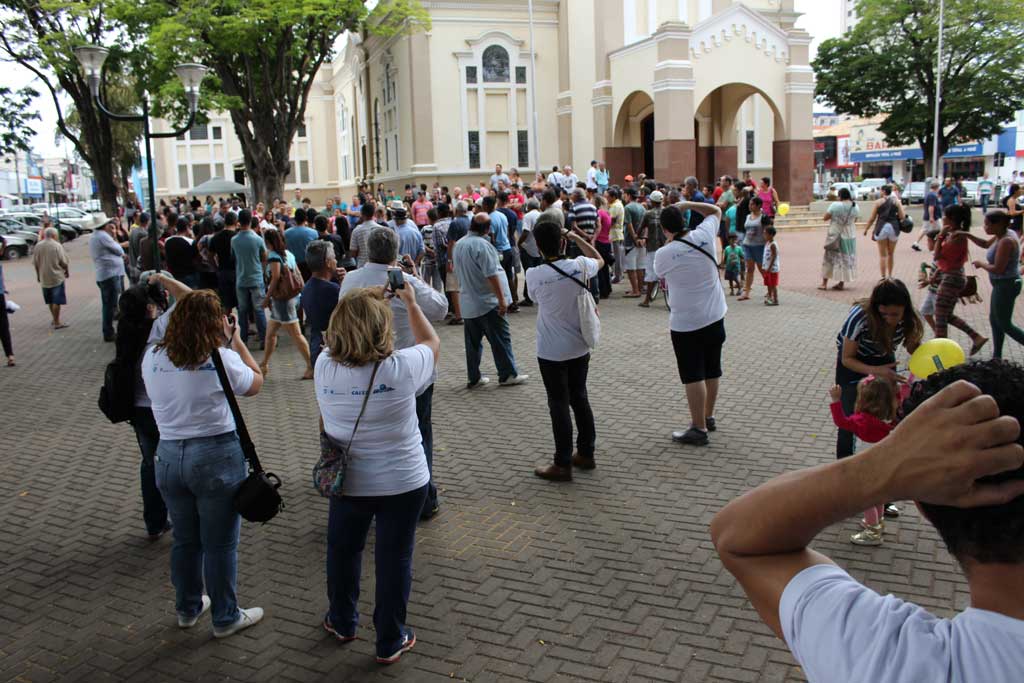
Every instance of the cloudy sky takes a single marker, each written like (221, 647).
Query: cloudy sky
(820, 19)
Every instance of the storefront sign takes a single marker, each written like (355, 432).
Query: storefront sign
(886, 155)
(969, 150)
(843, 151)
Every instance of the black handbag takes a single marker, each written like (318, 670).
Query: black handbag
(257, 499)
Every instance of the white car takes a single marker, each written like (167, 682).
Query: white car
(915, 192)
(870, 188)
(81, 220)
(833, 190)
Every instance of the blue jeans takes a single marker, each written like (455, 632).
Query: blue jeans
(495, 328)
(154, 510)
(348, 523)
(110, 292)
(424, 404)
(198, 479)
(251, 298)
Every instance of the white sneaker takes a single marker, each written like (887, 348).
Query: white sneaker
(246, 618)
(184, 622)
(512, 381)
(479, 383)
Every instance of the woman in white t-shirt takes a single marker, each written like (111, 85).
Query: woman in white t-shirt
(387, 474)
(562, 353)
(199, 460)
(689, 265)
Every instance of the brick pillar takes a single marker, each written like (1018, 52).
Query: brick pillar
(622, 161)
(675, 146)
(793, 170)
(674, 160)
(724, 162)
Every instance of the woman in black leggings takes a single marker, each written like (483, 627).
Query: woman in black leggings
(5, 325)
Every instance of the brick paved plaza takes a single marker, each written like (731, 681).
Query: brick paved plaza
(610, 578)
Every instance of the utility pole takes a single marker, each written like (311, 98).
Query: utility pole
(533, 95)
(938, 92)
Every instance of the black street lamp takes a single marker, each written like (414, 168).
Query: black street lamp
(92, 58)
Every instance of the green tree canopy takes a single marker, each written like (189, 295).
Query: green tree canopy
(17, 114)
(264, 56)
(887, 65)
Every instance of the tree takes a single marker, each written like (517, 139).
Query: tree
(16, 117)
(119, 96)
(40, 37)
(264, 56)
(887, 65)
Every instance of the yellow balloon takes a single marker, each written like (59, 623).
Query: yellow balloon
(783, 208)
(935, 355)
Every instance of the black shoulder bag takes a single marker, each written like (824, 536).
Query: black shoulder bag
(697, 247)
(257, 499)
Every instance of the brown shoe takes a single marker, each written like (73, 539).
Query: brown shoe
(554, 473)
(582, 462)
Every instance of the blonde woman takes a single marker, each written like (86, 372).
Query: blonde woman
(387, 476)
(199, 460)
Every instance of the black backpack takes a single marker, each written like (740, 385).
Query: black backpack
(117, 395)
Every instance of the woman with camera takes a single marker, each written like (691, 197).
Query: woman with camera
(689, 265)
(367, 394)
(562, 352)
(199, 460)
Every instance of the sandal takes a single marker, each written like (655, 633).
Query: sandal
(978, 344)
(838, 288)
(644, 304)
(10, 361)
(824, 288)
(743, 297)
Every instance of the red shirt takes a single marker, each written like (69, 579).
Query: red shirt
(867, 428)
(718, 193)
(952, 254)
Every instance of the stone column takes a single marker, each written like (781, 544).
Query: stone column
(608, 18)
(420, 79)
(675, 148)
(563, 109)
(793, 152)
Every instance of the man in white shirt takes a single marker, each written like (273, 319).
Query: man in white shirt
(382, 256)
(528, 252)
(958, 454)
(555, 179)
(498, 176)
(568, 180)
(592, 176)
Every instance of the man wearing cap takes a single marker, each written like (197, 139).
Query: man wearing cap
(410, 240)
(652, 238)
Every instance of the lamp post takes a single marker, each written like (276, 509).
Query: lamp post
(938, 93)
(92, 59)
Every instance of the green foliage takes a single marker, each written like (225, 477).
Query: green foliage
(17, 112)
(887, 65)
(120, 95)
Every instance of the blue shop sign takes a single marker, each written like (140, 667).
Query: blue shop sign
(970, 150)
(886, 155)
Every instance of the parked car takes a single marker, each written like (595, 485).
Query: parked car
(915, 192)
(39, 207)
(833, 190)
(81, 220)
(819, 190)
(15, 248)
(969, 196)
(9, 226)
(34, 222)
(871, 188)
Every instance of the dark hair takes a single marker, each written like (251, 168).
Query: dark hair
(631, 192)
(892, 292)
(998, 218)
(488, 203)
(992, 534)
(769, 229)
(756, 201)
(767, 181)
(230, 218)
(183, 224)
(549, 197)
(548, 234)
(244, 216)
(960, 215)
(672, 219)
(844, 194)
(321, 223)
(275, 240)
(503, 196)
(432, 214)
(300, 216)
(367, 210)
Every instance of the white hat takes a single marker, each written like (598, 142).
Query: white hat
(396, 205)
(657, 197)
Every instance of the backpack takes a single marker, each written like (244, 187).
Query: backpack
(289, 284)
(117, 395)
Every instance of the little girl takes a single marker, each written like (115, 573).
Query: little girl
(871, 422)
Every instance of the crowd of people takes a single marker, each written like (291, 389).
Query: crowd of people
(358, 286)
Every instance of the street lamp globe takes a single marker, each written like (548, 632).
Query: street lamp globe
(191, 76)
(92, 57)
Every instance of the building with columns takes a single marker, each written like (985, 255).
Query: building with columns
(669, 88)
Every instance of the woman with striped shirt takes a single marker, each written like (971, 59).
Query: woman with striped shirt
(867, 343)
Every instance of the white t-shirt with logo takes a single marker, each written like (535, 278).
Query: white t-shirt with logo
(558, 317)
(695, 293)
(188, 404)
(841, 631)
(387, 456)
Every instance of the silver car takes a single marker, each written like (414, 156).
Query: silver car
(15, 247)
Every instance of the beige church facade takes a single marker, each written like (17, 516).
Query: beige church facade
(670, 88)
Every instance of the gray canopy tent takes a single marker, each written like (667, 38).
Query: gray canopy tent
(218, 186)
